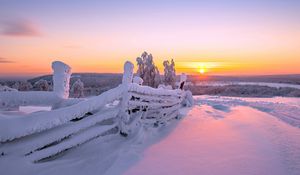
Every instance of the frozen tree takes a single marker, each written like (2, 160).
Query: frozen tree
(22, 86)
(157, 78)
(169, 73)
(16, 85)
(25, 86)
(77, 89)
(147, 70)
(42, 85)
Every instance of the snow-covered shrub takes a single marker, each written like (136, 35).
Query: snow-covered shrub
(6, 89)
(42, 85)
(22, 86)
(147, 70)
(169, 73)
(138, 80)
(188, 99)
(16, 85)
(77, 89)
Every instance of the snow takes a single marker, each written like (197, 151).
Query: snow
(33, 98)
(61, 79)
(221, 83)
(276, 85)
(285, 109)
(128, 72)
(32, 109)
(147, 70)
(154, 91)
(243, 141)
(189, 99)
(27, 145)
(6, 88)
(138, 80)
(218, 135)
(42, 85)
(37, 122)
(169, 72)
(77, 89)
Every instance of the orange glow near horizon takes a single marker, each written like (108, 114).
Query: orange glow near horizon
(205, 38)
(35, 67)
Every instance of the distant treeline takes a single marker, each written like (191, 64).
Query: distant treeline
(245, 91)
(290, 79)
(96, 83)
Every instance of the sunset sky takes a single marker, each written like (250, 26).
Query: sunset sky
(219, 37)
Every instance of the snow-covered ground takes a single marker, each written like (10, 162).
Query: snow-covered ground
(219, 135)
(225, 83)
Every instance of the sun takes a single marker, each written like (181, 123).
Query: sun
(202, 70)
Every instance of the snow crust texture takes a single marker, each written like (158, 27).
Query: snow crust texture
(218, 135)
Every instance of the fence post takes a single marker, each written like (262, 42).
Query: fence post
(61, 79)
(182, 81)
(126, 81)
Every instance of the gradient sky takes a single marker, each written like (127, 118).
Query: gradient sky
(221, 36)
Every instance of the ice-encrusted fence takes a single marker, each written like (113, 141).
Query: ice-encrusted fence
(73, 122)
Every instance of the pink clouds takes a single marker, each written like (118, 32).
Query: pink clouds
(4, 60)
(20, 28)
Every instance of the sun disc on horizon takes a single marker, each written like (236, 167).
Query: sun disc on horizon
(202, 70)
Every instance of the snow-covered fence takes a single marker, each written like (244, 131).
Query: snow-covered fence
(146, 104)
(45, 134)
(149, 106)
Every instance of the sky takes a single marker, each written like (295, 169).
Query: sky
(214, 37)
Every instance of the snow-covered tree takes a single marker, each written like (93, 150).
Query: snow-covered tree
(22, 86)
(147, 70)
(42, 85)
(16, 85)
(169, 73)
(77, 89)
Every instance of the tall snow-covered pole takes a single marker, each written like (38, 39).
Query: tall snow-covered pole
(126, 81)
(128, 73)
(61, 79)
